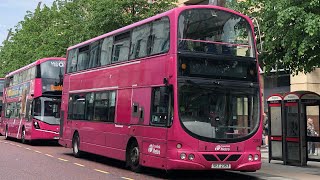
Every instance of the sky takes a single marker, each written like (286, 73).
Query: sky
(13, 11)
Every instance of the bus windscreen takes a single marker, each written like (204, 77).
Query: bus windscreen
(215, 32)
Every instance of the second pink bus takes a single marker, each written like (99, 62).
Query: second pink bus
(32, 99)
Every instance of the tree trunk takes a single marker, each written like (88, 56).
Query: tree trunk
(221, 3)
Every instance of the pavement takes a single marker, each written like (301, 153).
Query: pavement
(276, 169)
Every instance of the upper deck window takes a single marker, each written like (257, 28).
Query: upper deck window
(121, 47)
(94, 55)
(21, 77)
(72, 60)
(83, 58)
(215, 32)
(161, 36)
(52, 69)
(106, 51)
(142, 41)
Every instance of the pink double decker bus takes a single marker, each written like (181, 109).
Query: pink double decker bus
(32, 100)
(179, 90)
(1, 99)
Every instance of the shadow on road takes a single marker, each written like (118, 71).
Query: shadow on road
(183, 175)
(37, 142)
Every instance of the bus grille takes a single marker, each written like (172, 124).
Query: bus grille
(210, 157)
(234, 157)
(222, 157)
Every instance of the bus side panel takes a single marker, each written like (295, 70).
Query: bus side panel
(13, 127)
(91, 132)
(28, 128)
(105, 139)
(123, 109)
(152, 143)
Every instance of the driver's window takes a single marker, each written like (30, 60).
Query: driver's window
(28, 110)
(37, 107)
(160, 106)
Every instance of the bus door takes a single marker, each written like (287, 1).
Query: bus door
(153, 105)
(292, 133)
(275, 130)
(140, 112)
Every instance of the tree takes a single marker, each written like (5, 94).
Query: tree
(291, 32)
(49, 31)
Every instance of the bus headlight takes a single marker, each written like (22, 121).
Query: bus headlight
(183, 156)
(191, 157)
(36, 125)
(256, 157)
(250, 157)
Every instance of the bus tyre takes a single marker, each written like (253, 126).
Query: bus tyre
(133, 158)
(23, 136)
(76, 145)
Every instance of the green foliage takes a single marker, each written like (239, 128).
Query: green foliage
(49, 31)
(291, 32)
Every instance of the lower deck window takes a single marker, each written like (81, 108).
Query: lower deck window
(93, 106)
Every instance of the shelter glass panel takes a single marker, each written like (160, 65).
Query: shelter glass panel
(276, 127)
(276, 147)
(292, 121)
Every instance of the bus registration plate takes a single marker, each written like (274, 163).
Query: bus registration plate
(55, 137)
(221, 166)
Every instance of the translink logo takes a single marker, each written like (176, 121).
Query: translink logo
(222, 148)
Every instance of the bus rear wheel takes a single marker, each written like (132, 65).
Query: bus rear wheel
(133, 157)
(76, 145)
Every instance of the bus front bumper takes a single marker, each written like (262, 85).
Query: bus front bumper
(174, 164)
(40, 134)
(236, 161)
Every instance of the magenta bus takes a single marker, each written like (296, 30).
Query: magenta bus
(179, 90)
(1, 99)
(1, 91)
(32, 100)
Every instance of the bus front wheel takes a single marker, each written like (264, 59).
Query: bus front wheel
(76, 145)
(133, 157)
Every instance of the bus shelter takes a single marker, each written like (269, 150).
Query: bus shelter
(301, 141)
(275, 130)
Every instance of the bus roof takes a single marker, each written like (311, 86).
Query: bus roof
(39, 61)
(123, 29)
